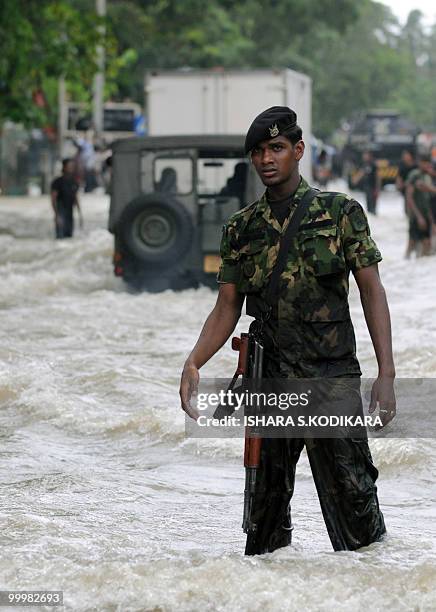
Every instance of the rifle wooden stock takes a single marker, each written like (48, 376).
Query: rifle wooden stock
(252, 450)
(241, 345)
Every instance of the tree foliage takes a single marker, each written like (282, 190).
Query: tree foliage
(356, 52)
(357, 70)
(41, 40)
(416, 93)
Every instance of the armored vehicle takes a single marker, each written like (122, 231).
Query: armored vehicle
(170, 197)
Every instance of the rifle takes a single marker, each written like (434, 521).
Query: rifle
(250, 361)
(253, 441)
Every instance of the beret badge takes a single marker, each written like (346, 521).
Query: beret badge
(274, 130)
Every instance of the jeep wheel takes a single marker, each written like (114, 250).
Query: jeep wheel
(156, 229)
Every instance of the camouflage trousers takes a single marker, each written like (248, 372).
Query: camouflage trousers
(345, 478)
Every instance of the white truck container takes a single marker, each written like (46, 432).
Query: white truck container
(225, 101)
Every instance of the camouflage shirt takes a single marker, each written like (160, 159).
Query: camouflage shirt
(310, 331)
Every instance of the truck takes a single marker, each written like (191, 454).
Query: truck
(225, 101)
(384, 132)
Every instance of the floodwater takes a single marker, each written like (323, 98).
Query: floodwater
(101, 494)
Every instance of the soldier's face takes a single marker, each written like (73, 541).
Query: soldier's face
(276, 160)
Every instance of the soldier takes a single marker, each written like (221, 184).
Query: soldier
(419, 188)
(308, 334)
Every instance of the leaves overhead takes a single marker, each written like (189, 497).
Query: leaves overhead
(356, 52)
(40, 40)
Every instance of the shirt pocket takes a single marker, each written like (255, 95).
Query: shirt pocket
(327, 331)
(252, 264)
(321, 251)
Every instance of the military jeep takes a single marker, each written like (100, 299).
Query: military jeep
(170, 197)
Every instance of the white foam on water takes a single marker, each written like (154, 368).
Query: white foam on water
(285, 580)
(102, 494)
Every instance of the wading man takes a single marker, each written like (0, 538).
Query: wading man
(370, 180)
(419, 190)
(308, 333)
(63, 199)
(405, 167)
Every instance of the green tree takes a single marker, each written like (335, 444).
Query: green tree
(172, 34)
(356, 53)
(357, 70)
(41, 40)
(416, 93)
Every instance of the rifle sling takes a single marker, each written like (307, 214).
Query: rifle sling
(271, 294)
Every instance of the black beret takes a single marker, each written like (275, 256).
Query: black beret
(269, 124)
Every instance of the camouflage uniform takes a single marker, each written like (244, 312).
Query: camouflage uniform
(309, 334)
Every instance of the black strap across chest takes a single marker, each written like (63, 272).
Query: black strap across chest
(271, 293)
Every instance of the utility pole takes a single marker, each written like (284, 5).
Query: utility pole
(62, 115)
(100, 7)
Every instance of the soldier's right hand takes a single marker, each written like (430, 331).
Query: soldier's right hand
(188, 389)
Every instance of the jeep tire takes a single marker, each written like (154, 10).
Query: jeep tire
(156, 229)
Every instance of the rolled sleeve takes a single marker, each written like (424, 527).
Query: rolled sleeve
(360, 250)
(362, 253)
(229, 269)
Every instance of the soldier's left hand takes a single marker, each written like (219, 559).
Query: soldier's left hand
(189, 389)
(383, 394)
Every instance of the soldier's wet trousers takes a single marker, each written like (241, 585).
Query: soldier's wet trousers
(345, 481)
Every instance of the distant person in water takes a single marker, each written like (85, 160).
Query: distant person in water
(323, 169)
(369, 178)
(405, 167)
(64, 198)
(419, 189)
